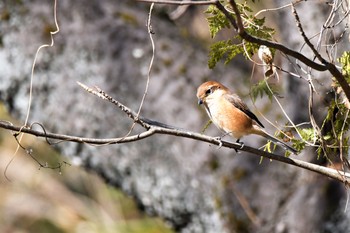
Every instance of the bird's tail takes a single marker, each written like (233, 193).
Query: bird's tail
(275, 140)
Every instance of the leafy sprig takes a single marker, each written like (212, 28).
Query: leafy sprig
(228, 49)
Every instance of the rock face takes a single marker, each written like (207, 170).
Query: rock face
(193, 186)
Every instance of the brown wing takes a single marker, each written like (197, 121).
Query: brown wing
(238, 103)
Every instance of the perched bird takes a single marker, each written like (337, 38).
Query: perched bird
(230, 114)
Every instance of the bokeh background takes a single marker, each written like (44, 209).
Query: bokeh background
(69, 199)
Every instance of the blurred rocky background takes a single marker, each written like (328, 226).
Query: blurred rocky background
(191, 186)
(61, 200)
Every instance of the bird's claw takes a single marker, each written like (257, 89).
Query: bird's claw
(219, 140)
(241, 143)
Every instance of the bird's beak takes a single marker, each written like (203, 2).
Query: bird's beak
(200, 101)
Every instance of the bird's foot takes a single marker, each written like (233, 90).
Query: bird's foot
(219, 140)
(241, 143)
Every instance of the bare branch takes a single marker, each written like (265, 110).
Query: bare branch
(238, 25)
(329, 172)
(275, 9)
(180, 3)
(70, 138)
(155, 127)
(131, 114)
(306, 39)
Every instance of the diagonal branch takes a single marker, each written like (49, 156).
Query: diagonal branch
(154, 127)
(306, 39)
(180, 3)
(341, 176)
(238, 26)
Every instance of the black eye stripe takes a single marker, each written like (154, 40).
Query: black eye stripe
(209, 91)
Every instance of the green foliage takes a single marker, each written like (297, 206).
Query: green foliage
(223, 49)
(269, 147)
(345, 61)
(338, 118)
(216, 20)
(261, 89)
(228, 49)
(336, 124)
(258, 29)
(307, 134)
(206, 126)
(299, 145)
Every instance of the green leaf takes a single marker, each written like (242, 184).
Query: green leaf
(308, 134)
(249, 49)
(261, 89)
(216, 20)
(223, 49)
(299, 145)
(345, 61)
(217, 51)
(229, 49)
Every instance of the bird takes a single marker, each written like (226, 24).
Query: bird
(231, 115)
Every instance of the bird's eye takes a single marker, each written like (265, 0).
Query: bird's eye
(209, 91)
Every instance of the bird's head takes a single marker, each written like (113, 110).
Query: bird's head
(210, 90)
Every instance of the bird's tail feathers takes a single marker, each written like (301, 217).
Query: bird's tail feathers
(277, 141)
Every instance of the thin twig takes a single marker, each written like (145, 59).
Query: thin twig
(155, 127)
(286, 115)
(306, 39)
(315, 126)
(244, 35)
(180, 3)
(101, 94)
(238, 26)
(52, 33)
(277, 8)
(329, 172)
(343, 159)
(150, 33)
(242, 200)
